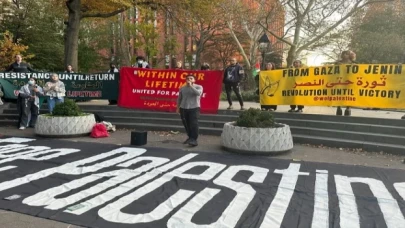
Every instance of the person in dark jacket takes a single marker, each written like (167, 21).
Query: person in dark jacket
(19, 65)
(233, 75)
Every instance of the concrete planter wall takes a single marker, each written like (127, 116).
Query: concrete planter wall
(64, 126)
(257, 140)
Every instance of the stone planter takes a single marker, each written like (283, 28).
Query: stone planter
(257, 140)
(64, 126)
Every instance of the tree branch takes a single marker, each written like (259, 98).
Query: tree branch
(104, 15)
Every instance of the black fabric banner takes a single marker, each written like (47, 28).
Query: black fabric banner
(99, 185)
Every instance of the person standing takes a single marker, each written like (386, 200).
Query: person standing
(69, 69)
(19, 65)
(296, 64)
(55, 91)
(233, 75)
(30, 102)
(141, 62)
(347, 57)
(1, 94)
(205, 66)
(188, 105)
(113, 69)
(269, 66)
(179, 65)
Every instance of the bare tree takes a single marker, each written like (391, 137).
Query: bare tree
(242, 16)
(308, 21)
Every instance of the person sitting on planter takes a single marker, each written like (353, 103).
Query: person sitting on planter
(29, 94)
(55, 91)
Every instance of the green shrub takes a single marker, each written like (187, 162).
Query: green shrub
(255, 118)
(67, 108)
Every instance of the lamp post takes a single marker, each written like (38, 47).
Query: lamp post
(264, 45)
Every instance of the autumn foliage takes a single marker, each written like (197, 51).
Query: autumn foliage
(8, 50)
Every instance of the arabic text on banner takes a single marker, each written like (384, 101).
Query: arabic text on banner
(363, 85)
(157, 89)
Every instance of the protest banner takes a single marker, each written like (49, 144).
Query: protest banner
(78, 86)
(361, 85)
(157, 89)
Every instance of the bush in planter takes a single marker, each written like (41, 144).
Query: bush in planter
(67, 108)
(255, 118)
(67, 119)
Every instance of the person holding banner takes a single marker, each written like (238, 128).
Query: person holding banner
(55, 91)
(19, 65)
(69, 69)
(233, 75)
(296, 64)
(30, 103)
(141, 62)
(347, 57)
(205, 66)
(271, 108)
(113, 69)
(179, 65)
(188, 105)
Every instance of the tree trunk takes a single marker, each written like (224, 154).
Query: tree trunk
(125, 53)
(292, 54)
(72, 33)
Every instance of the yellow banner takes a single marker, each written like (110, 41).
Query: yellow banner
(363, 85)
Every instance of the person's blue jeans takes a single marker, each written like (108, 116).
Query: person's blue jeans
(52, 102)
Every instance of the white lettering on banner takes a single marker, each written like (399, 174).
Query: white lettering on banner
(112, 212)
(13, 152)
(9, 153)
(128, 186)
(7, 168)
(320, 218)
(11, 146)
(73, 168)
(349, 215)
(47, 197)
(231, 215)
(278, 207)
(400, 187)
(16, 140)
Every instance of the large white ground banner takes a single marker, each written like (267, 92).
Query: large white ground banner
(99, 185)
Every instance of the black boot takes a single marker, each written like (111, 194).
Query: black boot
(339, 111)
(348, 112)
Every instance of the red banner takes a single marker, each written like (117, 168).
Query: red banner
(157, 89)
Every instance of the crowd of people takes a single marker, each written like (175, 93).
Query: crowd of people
(188, 102)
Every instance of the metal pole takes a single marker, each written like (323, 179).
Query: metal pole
(262, 67)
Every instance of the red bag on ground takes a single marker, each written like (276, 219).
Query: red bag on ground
(99, 131)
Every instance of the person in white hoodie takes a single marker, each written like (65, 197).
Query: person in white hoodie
(55, 91)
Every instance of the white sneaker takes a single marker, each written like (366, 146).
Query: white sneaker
(22, 128)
